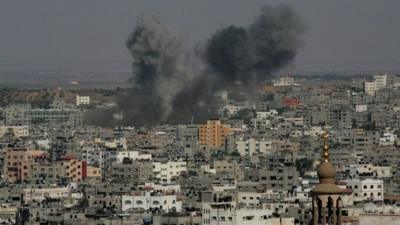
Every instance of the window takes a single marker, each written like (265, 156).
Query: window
(156, 202)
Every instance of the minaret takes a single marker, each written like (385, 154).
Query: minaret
(326, 201)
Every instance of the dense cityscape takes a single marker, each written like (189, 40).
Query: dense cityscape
(257, 167)
(203, 112)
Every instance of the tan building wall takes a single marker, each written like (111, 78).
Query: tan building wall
(18, 164)
(93, 172)
(213, 133)
(72, 168)
(67, 167)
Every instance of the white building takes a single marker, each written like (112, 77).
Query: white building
(366, 190)
(40, 194)
(237, 208)
(380, 80)
(387, 139)
(167, 171)
(133, 155)
(285, 81)
(266, 114)
(109, 157)
(82, 100)
(43, 144)
(150, 199)
(370, 88)
(361, 108)
(252, 146)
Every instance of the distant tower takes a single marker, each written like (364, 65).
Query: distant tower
(326, 200)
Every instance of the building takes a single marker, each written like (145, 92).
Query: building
(167, 172)
(280, 179)
(82, 100)
(252, 146)
(67, 167)
(370, 88)
(14, 131)
(149, 199)
(174, 218)
(41, 193)
(366, 190)
(213, 133)
(223, 208)
(26, 115)
(361, 108)
(132, 171)
(380, 81)
(18, 164)
(285, 81)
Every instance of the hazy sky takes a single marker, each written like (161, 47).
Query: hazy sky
(89, 35)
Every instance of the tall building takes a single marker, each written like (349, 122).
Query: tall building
(18, 164)
(213, 133)
(370, 88)
(380, 80)
(326, 196)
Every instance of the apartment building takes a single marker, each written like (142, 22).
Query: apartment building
(18, 164)
(213, 133)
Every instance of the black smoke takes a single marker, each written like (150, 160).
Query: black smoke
(251, 54)
(242, 55)
(162, 89)
(156, 74)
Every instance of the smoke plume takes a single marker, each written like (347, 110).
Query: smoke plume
(156, 74)
(245, 55)
(163, 91)
(251, 54)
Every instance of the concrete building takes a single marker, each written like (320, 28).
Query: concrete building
(281, 179)
(213, 133)
(131, 171)
(366, 190)
(285, 81)
(18, 164)
(67, 167)
(152, 200)
(252, 146)
(26, 115)
(82, 100)
(41, 193)
(380, 80)
(175, 218)
(370, 88)
(222, 208)
(167, 172)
